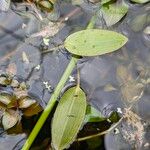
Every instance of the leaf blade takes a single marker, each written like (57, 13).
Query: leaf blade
(94, 42)
(65, 126)
(10, 119)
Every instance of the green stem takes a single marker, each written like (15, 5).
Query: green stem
(50, 104)
(101, 133)
(54, 97)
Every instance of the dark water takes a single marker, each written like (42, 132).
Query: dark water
(106, 85)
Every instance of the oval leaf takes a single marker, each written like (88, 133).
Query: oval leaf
(93, 42)
(5, 99)
(32, 110)
(10, 119)
(26, 102)
(68, 118)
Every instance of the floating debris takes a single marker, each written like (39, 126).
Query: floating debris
(133, 129)
(25, 58)
(50, 30)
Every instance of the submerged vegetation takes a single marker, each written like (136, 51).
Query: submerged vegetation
(70, 108)
(15, 102)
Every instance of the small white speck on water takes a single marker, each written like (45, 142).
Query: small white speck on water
(71, 79)
(119, 110)
(46, 41)
(116, 131)
(66, 19)
(24, 26)
(37, 67)
(47, 85)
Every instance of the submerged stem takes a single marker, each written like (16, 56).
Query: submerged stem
(101, 133)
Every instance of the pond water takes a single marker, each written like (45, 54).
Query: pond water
(111, 81)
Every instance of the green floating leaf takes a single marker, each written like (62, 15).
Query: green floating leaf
(94, 42)
(10, 119)
(140, 1)
(93, 115)
(112, 13)
(68, 118)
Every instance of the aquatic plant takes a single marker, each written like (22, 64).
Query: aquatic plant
(90, 42)
(15, 102)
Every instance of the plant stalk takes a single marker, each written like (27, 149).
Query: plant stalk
(50, 104)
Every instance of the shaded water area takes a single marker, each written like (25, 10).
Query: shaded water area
(111, 82)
